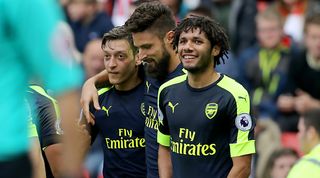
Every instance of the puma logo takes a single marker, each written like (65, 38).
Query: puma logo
(106, 110)
(240, 97)
(148, 86)
(172, 106)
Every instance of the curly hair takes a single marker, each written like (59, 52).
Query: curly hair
(213, 31)
(118, 33)
(152, 16)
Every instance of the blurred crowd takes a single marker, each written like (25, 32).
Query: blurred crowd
(275, 55)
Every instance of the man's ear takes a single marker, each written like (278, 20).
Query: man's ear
(312, 133)
(169, 37)
(137, 59)
(215, 50)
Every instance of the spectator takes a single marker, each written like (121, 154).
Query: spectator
(302, 89)
(93, 58)
(293, 13)
(87, 22)
(309, 136)
(264, 66)
(280, 162)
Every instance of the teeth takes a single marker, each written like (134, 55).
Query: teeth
(188, 57)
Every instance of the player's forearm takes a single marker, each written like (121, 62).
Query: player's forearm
(53, 153)
(164, 162)
(37, 159)
(241, 167)
(69, 113)
(85, 130)
(239, 172)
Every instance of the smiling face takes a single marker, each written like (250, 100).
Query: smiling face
(152, 51)
(195, 51)
(120, 62)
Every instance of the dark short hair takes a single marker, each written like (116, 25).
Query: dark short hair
(119, 33)
(313, 18)
(312, 119)
(213, 31)
(151, 16)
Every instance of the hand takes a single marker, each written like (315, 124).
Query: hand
(89, 94)
(286, 103)
(305, 102)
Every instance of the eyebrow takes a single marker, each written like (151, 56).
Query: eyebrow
(117, 52)
(148, 45)
(193, 38)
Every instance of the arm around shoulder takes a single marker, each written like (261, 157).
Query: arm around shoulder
(90, 93)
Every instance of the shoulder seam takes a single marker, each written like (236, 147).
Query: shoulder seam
(173, 81)
(42, 92)
(103, 90)
(239, 93)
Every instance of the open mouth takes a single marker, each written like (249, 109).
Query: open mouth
(188, 57)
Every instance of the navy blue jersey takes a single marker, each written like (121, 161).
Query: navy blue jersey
(120, 122)
(151, 122)
(204, 128)
(46, 116)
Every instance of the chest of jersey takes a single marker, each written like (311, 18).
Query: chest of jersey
(120, 120)
(199, 116)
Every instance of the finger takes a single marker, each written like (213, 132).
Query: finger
(86, 112)
(96, 102)
(300, 92)
(89, 116)
(92, 120)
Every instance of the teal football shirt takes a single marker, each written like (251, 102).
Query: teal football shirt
(30, 46)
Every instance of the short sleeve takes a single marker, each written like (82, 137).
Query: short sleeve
(163, 136)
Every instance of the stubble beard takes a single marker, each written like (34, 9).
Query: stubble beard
(158, 70)
(201, 66)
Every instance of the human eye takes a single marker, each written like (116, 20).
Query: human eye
(182, 41)
(121, 56)
(197, 41)
(106, 57)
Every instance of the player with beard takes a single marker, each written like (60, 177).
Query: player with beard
(151, 26)
(205, 125)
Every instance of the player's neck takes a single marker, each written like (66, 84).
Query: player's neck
(174, 61)
(203, 79)
(130, 83)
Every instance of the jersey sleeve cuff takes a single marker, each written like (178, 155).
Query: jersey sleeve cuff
(243, 148)
(163, 139)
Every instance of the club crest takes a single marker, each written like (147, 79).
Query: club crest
(211, 110)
